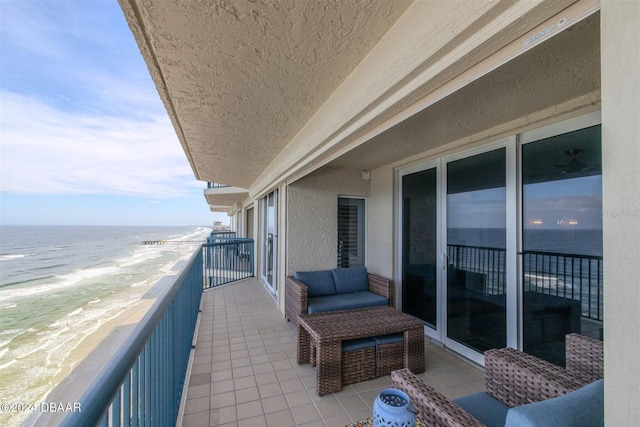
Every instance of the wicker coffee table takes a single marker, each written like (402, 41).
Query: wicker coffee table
(328, 330)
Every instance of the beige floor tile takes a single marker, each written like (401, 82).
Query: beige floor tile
(274, 404)
(247, 395)
(222, 415)
(305, 414)
(258, 421)
(281, 419)
(249, 409)
(246, 372)
(298, 398)
(223, 399)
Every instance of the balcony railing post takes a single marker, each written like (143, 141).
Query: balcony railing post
(227, 259)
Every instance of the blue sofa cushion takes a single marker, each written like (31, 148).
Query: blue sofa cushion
(484, 407)
(319, 283)
(357, 344)
(580, 408)
(345, 302)
(352, 279)
(389, 339)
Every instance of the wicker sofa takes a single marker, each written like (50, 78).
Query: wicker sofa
(320, 291)
(521, 390)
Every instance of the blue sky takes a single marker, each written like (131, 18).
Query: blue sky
(84, 136)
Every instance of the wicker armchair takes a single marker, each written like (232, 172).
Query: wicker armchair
(513, 378)
(296, 296)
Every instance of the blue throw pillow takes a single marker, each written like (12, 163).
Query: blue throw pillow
(319, 283)
(352, 279)
(580, 408)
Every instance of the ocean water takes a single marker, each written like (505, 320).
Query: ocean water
(59, 284)
(561, 240)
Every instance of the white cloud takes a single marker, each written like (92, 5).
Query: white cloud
(80, 114)
(50, 151)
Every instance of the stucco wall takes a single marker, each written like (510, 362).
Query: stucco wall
(312, 212)
(380, 223)
(620, 42)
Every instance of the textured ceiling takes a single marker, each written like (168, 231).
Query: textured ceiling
(240, 79)
(563, 68)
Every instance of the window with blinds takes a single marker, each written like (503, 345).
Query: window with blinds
(350, 232)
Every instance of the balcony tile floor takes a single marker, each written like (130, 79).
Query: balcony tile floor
(244, 370)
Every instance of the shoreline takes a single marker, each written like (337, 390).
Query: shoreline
(61, 351)
(81, 366)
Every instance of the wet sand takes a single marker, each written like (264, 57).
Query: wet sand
(83, 363)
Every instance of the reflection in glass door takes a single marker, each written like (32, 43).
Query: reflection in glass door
(270, 240)
(476, 248)
(420, 246)
(562, 241)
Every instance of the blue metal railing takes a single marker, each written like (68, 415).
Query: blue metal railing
(216, 185)
(220, 236)
(142, 384)
(227, 260)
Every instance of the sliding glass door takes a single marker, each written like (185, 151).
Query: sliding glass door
(476, 219)
(270, 241)
(562, 277)
(502, 246)
(420, 293)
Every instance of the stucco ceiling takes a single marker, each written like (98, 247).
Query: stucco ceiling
(563, 68)
(240, 79)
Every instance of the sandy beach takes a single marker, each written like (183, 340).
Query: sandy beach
(84, 363)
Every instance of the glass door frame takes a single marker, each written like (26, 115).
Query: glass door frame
(269, 244)
(512, 236)
(435, 333)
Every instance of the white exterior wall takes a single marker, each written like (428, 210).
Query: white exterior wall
(380, 223)
(620, 44)
(312, 212)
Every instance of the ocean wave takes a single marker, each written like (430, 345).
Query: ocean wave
(7, 364)
(138, 284)
(47, 267)
(6, 342)
(65, 281)
(75, 312)
(12, 334)
(139, 257)
(10, 257)
(7, 306)
(110, 290)
(23, 282)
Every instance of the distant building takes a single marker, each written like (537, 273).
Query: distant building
(220, 226)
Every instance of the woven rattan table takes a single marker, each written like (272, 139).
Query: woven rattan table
(328, 330)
